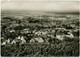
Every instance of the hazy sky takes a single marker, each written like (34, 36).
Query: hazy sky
(60, 6)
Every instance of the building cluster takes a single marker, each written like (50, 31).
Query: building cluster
(37, 36)
(42, 28)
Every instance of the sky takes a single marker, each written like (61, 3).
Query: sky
(38, 5)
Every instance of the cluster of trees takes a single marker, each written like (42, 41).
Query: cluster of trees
(67, 47)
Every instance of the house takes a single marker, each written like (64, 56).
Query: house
(25, 31)
(23, 40)
(8, 41)
(60, 37)
(59, 33)
(32, 40)
(4, 41)
(44, 33)
(60, 29)
(12, 31)
(34, 31)
(70, 35)
(39, 40)
(13, 42)
(19, 39)
(38, 33)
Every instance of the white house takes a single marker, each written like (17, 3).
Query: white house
(8, 41)
(3, 43)
(23, 40)
(13, 42)
(70, 35)
(60, 37)
(39, 39)
(12, 31)
(32, 40)
(19, 39)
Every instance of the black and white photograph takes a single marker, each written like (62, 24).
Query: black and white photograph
(39, 28)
